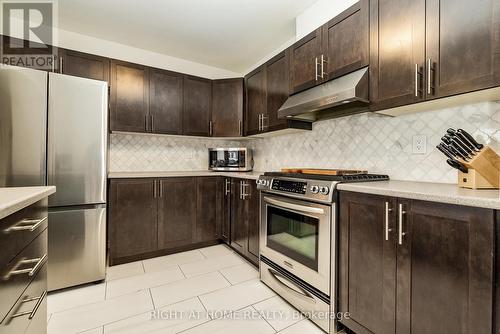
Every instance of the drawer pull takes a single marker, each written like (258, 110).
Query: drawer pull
(33, 311)
(26, 225)
(30, 271)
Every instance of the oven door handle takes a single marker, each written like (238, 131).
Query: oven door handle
(303, 294)
(292, 206)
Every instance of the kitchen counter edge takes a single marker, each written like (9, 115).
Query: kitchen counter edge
(427, 191)
(132, 175)
(13, 199)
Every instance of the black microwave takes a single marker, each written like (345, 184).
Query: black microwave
(230, 159)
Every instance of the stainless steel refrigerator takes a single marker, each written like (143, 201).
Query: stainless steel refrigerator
(53, 130)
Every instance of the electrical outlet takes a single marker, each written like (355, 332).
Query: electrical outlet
(420, 144)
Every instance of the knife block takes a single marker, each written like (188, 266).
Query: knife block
(484, 171)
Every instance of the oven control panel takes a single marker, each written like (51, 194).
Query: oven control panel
(289, 186)
(298, 188)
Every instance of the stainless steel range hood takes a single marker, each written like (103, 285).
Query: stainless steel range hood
(339, 97)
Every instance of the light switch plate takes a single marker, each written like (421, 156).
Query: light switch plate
(420, 144)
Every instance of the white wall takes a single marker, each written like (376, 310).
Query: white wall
(318, 14)
(79, 42)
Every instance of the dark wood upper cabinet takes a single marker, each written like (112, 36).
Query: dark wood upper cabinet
(83, 65)
(445, 269)
(255, 92)
(277, 89)
(463, 46)
(305, 58)
(132, 218)
(346, 41)
(166, 96)
(129, 97)
(367, 264)
(397, 52)
(176, 212)
(408, 266)
(197, 106)
(227, 107)
(208, 208)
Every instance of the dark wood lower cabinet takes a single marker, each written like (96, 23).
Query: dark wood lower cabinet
(176, 212)
(245, 219)
(133, 211)
(415, 267)
(208, 208)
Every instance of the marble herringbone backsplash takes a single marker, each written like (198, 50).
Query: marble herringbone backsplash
(378, 143)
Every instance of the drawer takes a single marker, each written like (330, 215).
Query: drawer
(21, 228)
(29, 312)
(17, 274)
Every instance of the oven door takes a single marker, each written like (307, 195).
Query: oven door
(295, 235)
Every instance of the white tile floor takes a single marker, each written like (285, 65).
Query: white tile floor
(210, 290)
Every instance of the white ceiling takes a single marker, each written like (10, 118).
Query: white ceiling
(229, 34)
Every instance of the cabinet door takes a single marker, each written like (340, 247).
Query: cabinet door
(239, 229)
(305, 56)
(255, 86)
(397, 52)
(225, 221)
(227, 107)
(165, 96)
(176, 212)
(367, 263)
(445, 269)
(252, 214)
(129, 97)
(133, 217)
(83, 65)
(208, 208)
(197, 106)
(346, 41)
(278, 88)
(463, 46)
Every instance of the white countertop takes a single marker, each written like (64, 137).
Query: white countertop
(425, 191)
(130, 175)
(15, 199)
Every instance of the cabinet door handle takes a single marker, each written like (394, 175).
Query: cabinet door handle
(146, 122)
(387, 229)
(323, 61)
(264, 118)
(227, 189)
(430, 71)
(401, 234)
(240, 128)
(244, 187)
(154, 189)
(31, 313)
(316, 68)
(210, 128)
(30, 271)
(61, 65)
(26, 225)
(260, 122)
(416, 80)
(160, 188)
(152, 123)
(241, 189)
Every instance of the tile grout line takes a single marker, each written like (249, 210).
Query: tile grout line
(220, 272)
(143, 268)
(261, 317)
(182, 272)
(208, 314)
(152, 300)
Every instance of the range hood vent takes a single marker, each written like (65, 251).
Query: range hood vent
(339, 97)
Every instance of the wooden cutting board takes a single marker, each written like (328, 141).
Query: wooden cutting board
(323, 171)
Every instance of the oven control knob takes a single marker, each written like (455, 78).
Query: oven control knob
(324, 190)
(315, 189)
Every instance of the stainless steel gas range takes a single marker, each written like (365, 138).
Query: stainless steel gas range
(298, 239)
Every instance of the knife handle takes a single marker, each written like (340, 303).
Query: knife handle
(445, 151)
(457, 153)
(457, 147)
(457, 165)
(451, 131)
(471, 139)
(446, 139)
(465, 143)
